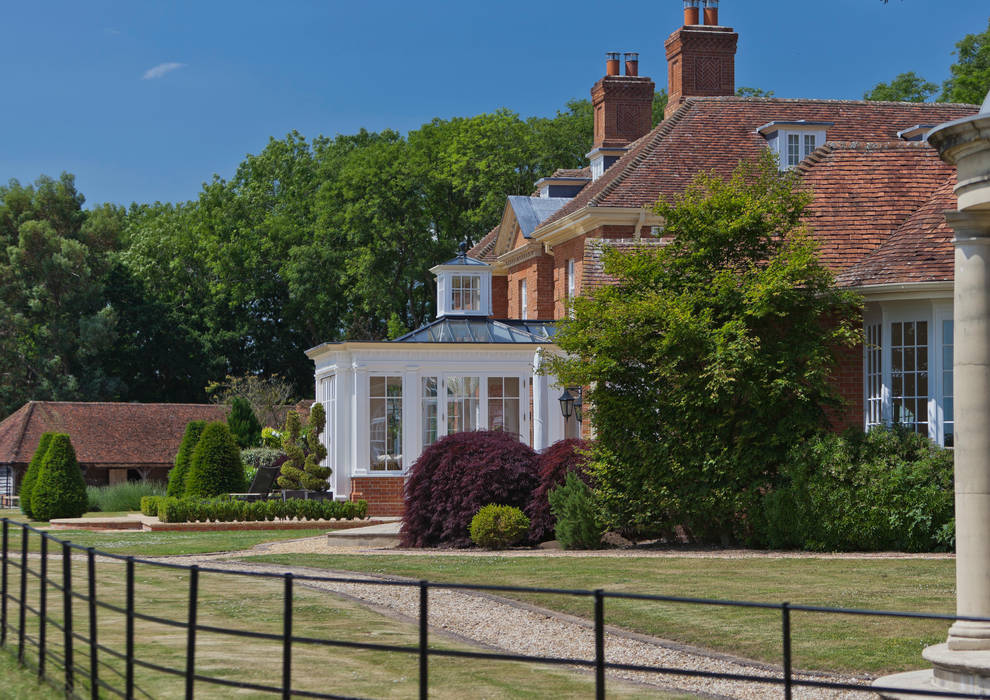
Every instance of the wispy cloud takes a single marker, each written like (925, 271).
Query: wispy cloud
(161, 70)
(111, 31)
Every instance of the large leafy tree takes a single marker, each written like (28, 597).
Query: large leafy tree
(710, 356)
(906, 87)
(970, 79)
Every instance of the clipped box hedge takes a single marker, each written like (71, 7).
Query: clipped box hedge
(227, 510)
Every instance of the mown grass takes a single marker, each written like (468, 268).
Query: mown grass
(843, 643)
(256, 604)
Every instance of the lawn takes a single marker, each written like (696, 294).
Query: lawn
(821, 642)
(255, 604)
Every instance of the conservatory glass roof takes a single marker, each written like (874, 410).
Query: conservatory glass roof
(481, 330)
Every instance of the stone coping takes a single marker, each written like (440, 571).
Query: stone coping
(144, 523)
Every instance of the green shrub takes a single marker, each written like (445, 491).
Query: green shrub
(149, 505)
(173, 510)
(31, 475)
(216, 466)
(60, 490)
(177, 476)
(573, 507)
(243, 424)
(122, 497)
(304, 451)
(275, 509)
(498, 527)
(889, 489)
(271, 438)
(360, 509)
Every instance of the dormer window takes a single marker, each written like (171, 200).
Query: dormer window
(793, 141)
(465, 293)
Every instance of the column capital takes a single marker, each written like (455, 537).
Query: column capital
(971, 225)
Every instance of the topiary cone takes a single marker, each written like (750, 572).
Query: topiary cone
(216, 466)
(60, 490)
(31, 475)
(177, 476)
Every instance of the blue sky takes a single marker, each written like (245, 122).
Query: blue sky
(145, 101)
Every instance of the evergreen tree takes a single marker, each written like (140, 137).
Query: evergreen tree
(243, 424)
(305, 452)
(31, 475)
(216, 466)
(60, 490)
(177, 477)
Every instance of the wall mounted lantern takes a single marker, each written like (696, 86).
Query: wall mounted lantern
(571, 403)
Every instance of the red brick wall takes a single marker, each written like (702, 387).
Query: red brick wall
(538, 274)
(500, 296)
(848, 377)
(571, 250)
(384, 494)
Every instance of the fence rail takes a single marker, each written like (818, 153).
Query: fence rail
(100, 676)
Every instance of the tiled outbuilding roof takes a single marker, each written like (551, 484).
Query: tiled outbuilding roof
(863, 192)
(920, 250)
(715, 133)
(104, 434)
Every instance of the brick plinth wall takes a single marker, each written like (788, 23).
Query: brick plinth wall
(384, 494)
(848, 380)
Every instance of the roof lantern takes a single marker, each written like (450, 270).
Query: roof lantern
(464, 286)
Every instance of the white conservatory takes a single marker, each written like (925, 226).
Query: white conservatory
(386, 401)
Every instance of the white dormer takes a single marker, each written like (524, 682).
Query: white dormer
(464, 287)
(793, 141)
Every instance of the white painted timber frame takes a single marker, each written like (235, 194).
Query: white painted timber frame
(346, 368)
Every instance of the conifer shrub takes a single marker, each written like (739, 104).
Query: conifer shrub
(177, 476)
(555, 463)
(573, 507)
(60, 490)
(498, 527)
(243, 424)
(149, 505)
(31, 475)
(216, 466)
(455, 477)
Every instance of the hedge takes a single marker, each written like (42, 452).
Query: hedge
(226, 510)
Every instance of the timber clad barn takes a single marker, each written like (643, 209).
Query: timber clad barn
(879, 193)
(114, 442)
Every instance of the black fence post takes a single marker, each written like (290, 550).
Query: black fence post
(287, 640)
(67, 612)
(43, 607)
(785, 612)
(424, 641)
(599, 645)
(129, 633)
(22, 615)
(94, 664)
(191, 638)
(3, 584)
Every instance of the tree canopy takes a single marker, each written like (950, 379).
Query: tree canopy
(906, 87)
(708, 358)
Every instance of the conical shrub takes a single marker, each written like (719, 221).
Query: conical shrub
(177, 476)
(243, 424)
(216, 466)
(31, 475)
(60, 490)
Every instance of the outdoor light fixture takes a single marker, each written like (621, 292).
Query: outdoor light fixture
(569, 404)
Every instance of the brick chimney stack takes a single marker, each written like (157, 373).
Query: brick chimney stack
(623, 109)
(701, 58)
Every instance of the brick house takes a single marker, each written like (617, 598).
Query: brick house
(879, 191)
(114, 442)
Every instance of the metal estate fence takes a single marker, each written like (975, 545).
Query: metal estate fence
(52, 618)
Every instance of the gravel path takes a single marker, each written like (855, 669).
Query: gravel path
(512, 627)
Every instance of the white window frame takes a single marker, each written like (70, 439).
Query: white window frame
(523, 301)
(808, 139)
(472, 288)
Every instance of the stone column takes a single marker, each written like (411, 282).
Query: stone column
(962, 663)
(971, 379)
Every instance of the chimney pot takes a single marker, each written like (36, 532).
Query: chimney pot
(711, 12)
(612, 63)
(691, 15)
(632, 63)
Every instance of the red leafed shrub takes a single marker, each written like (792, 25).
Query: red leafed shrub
(455, 477)
(554, 463)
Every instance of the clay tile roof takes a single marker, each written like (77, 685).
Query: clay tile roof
(484, 250)
(584, 172)
(863, 192)
(104, 434)
(594, 275)
(920, 250)
(715, 133)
